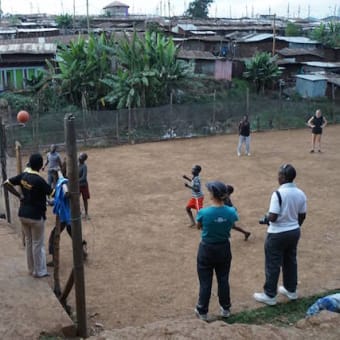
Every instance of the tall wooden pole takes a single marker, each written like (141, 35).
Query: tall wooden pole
(73, 186)
(3, 147)
(274, 34)
(19, 171)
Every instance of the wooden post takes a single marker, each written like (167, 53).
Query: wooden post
(73, 186)
(56, 257)
(129, 125)
(19, 171)
(274, 34)
(214, 108)
(3, 148)
(247, 101)
(117, 127)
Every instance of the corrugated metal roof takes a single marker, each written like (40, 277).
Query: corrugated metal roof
(37, 48)
(287, 52)
(190, 54)
(202, 32)
(321, 64)
(298, 40)
(255, 37)
(263, 36)
(311, 77)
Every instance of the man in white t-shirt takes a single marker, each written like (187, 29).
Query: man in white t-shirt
(287, 211)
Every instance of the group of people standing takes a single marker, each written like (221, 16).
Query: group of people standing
(317, 122)
(287, 212)
(34, 191)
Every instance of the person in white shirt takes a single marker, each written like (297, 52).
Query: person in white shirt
(287, 212)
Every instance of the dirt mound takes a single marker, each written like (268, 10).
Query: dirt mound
(323, 326)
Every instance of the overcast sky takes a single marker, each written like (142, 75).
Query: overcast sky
(219, 8)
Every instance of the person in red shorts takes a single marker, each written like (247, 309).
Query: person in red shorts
(83, 184)
(197, 197)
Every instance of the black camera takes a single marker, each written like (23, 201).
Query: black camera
(264, 220)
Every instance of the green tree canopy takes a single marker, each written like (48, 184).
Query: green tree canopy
(329, 34)
(292, 30)
(198, 9)
(64, 20)
(147, 71)
(262, 70)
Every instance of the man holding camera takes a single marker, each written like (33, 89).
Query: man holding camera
(287, 211)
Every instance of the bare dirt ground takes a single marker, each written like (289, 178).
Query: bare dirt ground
(142, 254)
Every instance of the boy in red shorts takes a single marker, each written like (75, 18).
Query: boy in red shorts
(197, 197)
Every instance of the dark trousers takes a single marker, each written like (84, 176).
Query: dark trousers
(212, 257)
(52, 235)
(280, 251)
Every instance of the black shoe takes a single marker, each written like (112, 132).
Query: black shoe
(50, 264)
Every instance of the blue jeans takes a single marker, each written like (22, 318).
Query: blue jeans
(243, 140)
(210, 257)
(280, 251)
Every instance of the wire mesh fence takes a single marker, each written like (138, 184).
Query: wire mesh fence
(215, 116)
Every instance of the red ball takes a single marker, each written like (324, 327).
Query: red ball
(23, 116)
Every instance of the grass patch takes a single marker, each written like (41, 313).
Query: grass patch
(282, 314)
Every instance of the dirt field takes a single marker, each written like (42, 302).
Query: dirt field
(142, 255)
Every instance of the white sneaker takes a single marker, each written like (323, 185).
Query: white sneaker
(290, 296)
(203, 317)
(248, 154)
(225, 313)
(264, 298)
(238, 154)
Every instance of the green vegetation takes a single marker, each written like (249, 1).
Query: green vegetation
(329, 34)
(283, 314)
(64, 20)
(262, 70)
(147, 71)
(293, 30)
(198, 9)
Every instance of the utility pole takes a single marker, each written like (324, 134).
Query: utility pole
(274, 33)
(87, 16)
(288, 11)
(74, 14)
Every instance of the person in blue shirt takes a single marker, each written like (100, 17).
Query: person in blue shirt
(214, 253)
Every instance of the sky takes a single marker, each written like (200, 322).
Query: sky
(219, 8)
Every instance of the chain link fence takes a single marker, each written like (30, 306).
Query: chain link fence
(215, 116)
(212, 117)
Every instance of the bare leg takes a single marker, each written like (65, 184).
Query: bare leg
(241, 230)
(313, 142)
(189, 212)
(318, 141)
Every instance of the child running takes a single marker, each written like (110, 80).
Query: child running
(228, 202)
(197, 197)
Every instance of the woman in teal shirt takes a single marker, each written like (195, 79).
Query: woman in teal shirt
(214, 249)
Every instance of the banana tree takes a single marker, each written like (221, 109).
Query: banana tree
(262, 69)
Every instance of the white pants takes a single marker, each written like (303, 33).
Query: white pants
(243, 140)
(35, 248)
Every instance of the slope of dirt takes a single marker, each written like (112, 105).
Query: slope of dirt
(323, 326)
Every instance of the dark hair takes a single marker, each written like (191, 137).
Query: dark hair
(230, 189)
(83, 156)
(197, 168)
(218, 189)
(36, 161)
(288, 171)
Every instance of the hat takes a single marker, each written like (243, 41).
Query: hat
(218, 189)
